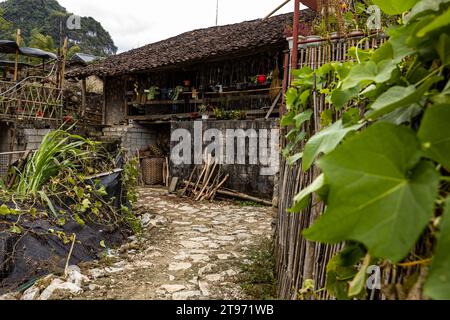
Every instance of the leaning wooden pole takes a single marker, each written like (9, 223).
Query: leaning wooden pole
(295, 29)
(63, 62)
(16, 64)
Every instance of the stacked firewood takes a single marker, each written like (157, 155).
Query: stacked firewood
(210, 179)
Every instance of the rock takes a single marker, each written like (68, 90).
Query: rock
(114, 270)
(199, 239)
(231, 273)
(8, 297)
(197, 258)
(179, 266)
(185, 295)
(74, 276)
(31, 294)
(204, 288)
(208, 268)
(191, 244)
(58, 284)
(94, 287)
(201, 230)
(223, 256)
(171, 277)
(145, 220)
(214, 277)
(96, 273)
(172, 288)
(213, 245)
(225, 238)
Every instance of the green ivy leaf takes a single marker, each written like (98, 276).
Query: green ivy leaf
(380, 193)
(398, 97)
(357, 285)
(341, 269)
(439, 22)
(368, 72)
(339, 97)
(402, 115)
(437, 285)
(301, 200)
(395, 7)
(443, 49)
(325, 141)
(434, 133)
(293, 159)
(288, 119)
(303, 117)
(424, 7)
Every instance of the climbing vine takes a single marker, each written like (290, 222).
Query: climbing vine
(384, 152)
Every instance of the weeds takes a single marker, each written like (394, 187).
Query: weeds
(258, 277)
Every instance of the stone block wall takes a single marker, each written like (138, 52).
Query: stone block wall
(246, 178)
(33, 137)
(134, 137)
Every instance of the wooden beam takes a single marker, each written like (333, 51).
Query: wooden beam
(274, 104)
(83, 97)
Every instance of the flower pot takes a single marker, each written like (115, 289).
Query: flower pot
(262, 78)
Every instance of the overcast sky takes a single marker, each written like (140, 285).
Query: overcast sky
(134, 23)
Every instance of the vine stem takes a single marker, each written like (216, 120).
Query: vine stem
(430, 75)
(414, 263)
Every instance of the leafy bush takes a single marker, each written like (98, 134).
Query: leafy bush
(385, 150)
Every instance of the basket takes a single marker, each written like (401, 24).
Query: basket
(152, 171)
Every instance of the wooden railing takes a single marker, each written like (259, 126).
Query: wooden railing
(30, 101)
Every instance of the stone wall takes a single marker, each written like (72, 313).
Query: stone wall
(134, 137)
(33, 137)
(246, 178)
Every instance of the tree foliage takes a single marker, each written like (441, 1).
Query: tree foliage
(46, 17)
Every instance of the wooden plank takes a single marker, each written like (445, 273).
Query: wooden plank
(274, 104)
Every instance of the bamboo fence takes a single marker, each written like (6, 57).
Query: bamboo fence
(298, 260)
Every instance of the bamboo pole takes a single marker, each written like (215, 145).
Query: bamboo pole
(16, 63)
(63, 62)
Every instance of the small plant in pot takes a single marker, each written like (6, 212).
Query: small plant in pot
(203, 110)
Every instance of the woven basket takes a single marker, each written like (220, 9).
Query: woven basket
(152, 171)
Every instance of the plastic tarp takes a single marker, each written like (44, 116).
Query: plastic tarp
(37, 53)
(7, 46)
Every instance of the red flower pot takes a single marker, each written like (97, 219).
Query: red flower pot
(262, 78)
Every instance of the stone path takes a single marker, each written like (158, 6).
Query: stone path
(189, 250)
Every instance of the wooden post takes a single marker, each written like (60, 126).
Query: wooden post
(104, 102)
(63, 62)
(83, 97)
(16, 64)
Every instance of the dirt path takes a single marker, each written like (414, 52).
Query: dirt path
(189, 250)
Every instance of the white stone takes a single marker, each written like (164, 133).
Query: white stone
(223, 256)
(31, 294)
(214, 277)
(172, 288)
(208, 268)
(231, 273)
(201, 230)
(204, 288)
(191, 244)
(185, 295)
(196, 258)
(96, 273)
(179, 266)
(74, 276)
(58, 284)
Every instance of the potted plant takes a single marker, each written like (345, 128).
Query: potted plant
(203, 110)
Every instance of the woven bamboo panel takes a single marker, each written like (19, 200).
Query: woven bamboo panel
(152, 171)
